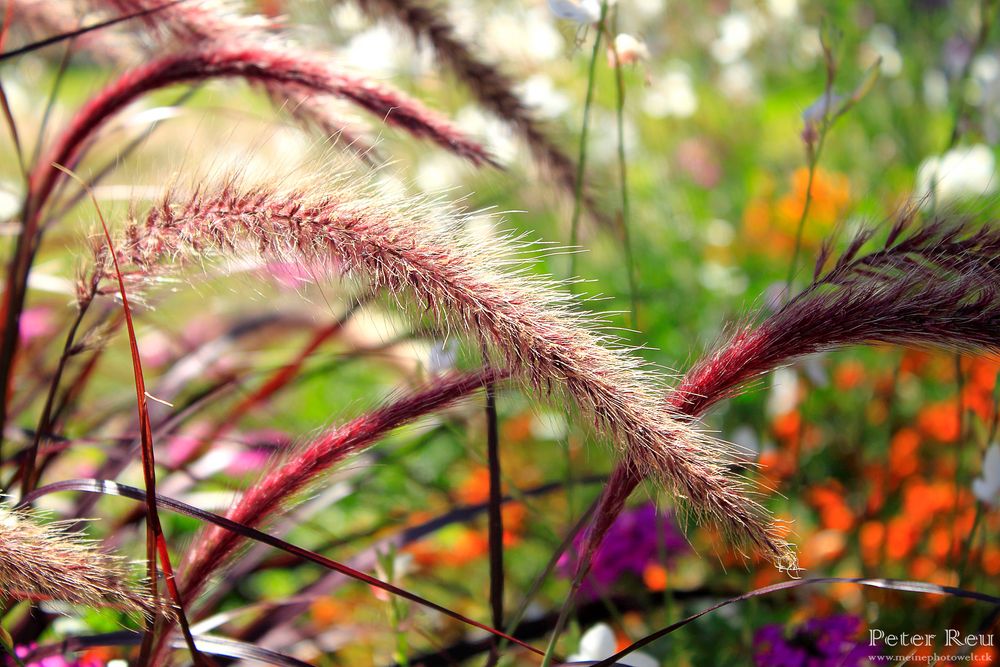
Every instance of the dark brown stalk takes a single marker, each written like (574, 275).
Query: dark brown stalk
(495, 519)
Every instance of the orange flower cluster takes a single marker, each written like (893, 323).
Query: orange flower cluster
(469, 543)
(772, 225)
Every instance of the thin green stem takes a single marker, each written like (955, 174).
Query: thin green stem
(626, 216)
(550, 650)
(582, 159)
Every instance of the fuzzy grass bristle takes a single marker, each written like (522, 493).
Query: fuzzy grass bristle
(41, 561)
(301, 467)
(930, 284)
(417, 253)
(494, 89)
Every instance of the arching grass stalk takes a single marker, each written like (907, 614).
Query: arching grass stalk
(581, 164)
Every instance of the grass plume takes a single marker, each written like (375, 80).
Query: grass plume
(467, 286)
(45, 562)
(930, 285)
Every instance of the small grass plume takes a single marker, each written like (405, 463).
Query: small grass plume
(302, 467)
(199, 24)
(41, 561)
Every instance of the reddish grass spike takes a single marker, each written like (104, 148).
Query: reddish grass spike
(259, 64)
(929, 285)
(271, 493)
(62, 17)
(196, 21)
(219, 23)
(493, 88)
(469, 286)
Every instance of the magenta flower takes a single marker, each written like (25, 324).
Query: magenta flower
(632, 544)
(55, 660)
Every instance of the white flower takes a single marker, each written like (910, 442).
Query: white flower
(581, 11)
(599, 643)
(671, 94)
(987, 487)
(784, 394)
(958, 173)
(540, 94)
(882, 44)
(736, 35)
(629, 49)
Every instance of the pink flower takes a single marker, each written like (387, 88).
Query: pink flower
(36, 323)
(55, 660)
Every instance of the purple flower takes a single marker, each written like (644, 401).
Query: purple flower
(819, 642)
(632, 543)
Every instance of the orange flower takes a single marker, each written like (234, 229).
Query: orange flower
(513, 523)
(984, 655)
(325, 611)
(513, 516)
(983, 373)
(975, 399)
(940, 421)
(424, 554)
(904, 459)
(100, 655)
(822, 547)
(923, 568)
(831, 195)
(786, 427)
(902, 535)
(991, 560)
(655, 577)
(475, 488)
(517, 429)
(833, 509)
(876, 476)
(774, 466)
(871, 538)
(757, 217)
(470, 545)
(922, 502)
(849, 375)
(914, 362)
(940, 543)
